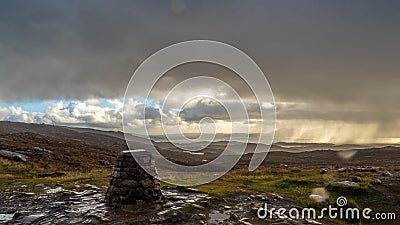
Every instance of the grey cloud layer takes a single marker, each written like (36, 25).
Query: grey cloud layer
(334, 52)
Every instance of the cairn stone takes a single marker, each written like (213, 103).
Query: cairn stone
(130, 183)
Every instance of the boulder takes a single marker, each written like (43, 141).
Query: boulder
(104, 162)
(13, 156)
(386, 173)
(376, 182)
(323, 171)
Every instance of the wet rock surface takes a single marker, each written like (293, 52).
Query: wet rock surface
(53, 205)
(85, 205)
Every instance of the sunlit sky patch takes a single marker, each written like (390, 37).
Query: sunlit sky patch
(106, 114)
(32, 105)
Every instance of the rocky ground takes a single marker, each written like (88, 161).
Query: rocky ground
(58, 175)
(42, 204)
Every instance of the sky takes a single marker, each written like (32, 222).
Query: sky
(332, 65)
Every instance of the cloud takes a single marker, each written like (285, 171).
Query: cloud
(88, 113)
(333, 61)
(204, 108)
(13, 113)
(107, 114)
(328, 52)
(137, 114)
(199, 108)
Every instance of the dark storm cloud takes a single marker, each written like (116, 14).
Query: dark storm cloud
(203, 108)
(336, 52)
(200, 108)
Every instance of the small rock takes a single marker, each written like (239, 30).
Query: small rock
(29, 193)
(244, 221)
(45, 155)
(37, 148)
(169, 204)
(376, 182)
(32, 218)
(39, 186)
(312, 222)
(93, 187)
(386, 173)
(104, 162)
(347, 183)
(54, 190)
(317, 198)
(162, 213)
(277, 196)
(41, 149)
(198, 207)
(199, 216)
(216, 216)
(174, 215)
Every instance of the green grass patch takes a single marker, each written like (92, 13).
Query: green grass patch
(297, 187)
(96, 177)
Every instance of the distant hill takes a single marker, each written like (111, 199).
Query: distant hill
(51, 148)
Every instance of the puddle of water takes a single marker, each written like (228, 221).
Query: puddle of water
(6, 217)
(218, 216)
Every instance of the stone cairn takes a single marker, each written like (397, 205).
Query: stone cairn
(130, 183)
